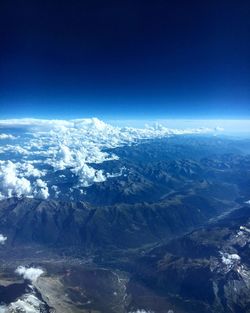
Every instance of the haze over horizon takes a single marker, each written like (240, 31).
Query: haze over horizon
(219, 126)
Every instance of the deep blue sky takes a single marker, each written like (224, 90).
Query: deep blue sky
(126, 58)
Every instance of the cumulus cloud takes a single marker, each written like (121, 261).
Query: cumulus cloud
(62, 151)
(7, 136)
(10, 182)
(30, 273)
(88, 175)
(43, 191)
(28, 170)
(2, 239)
(40, 183)
(17, 179)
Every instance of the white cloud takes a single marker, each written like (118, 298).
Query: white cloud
(2, 239)
(29, 170)
(56, 191)
(7, 136)
(88, 175)
(15, 180)
(228, 126)
(49, 147)
(244, 228)
(30, 273)
(40, 183)
(43, 191)
(32, 122)
(10, 182)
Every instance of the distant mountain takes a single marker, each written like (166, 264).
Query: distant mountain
(153, 181)
(207, 270)
(154, 200)
(65, 224)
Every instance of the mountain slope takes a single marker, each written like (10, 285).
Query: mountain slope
(207, 270)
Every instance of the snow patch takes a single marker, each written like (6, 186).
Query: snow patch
(29, 303)
(230, 260)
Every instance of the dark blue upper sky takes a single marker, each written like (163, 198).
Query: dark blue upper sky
(126, 58)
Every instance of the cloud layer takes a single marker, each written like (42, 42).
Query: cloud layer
(49, 157)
